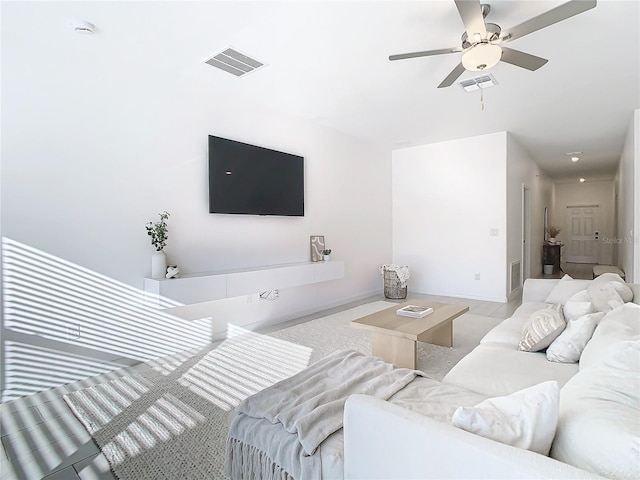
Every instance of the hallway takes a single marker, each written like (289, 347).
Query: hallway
(574, 270)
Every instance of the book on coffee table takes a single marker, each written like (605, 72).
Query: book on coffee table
(414, 311)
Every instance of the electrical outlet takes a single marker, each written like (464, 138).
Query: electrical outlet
(494, 232)
(477, 276)
(249, 299)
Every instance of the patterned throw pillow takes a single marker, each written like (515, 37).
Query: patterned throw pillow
(542, 328)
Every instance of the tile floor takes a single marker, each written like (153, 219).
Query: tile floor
(41, 439)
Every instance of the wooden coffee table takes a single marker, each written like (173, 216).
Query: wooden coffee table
(394, 337)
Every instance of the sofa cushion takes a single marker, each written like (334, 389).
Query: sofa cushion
(578, 305)
(565, 289)
(569, 345)
(600, 416)
(525, 419)
(506, 333)
(618, 325)
(528, 308)
(498, 370)
(542, 328)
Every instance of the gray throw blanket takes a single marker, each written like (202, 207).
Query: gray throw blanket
(276, 432)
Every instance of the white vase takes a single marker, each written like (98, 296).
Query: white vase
(158, 264)
(326, 258)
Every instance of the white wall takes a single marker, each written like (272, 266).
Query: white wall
(92, 151)
(599, 193)
(627, 241)
(446, 199)
(522, 169)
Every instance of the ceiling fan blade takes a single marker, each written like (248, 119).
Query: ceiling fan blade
(471, 14)
(426, 53)
(521, 59)
(453, 76)
(561, 12)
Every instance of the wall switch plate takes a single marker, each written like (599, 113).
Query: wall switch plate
(494, 232)
(477, 276)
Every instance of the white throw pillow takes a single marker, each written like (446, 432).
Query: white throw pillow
(542, 328)
(565, 289)
(569, 345)
(617, 326)
(526, 419)
(599, 416)
(578, 305)
(617, 283)
(604, 297)
(623, 290)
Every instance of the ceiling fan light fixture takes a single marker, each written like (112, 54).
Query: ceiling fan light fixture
(481, 56)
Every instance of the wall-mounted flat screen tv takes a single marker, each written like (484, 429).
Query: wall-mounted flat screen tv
(252, 180)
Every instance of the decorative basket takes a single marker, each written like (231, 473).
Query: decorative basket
(392, 286)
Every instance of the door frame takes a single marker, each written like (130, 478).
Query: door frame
(525, 271)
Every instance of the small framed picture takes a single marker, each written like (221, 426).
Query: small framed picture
(317, 246)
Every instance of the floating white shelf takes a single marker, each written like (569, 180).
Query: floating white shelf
(203, 287)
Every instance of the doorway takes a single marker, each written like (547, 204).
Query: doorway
(582, 234)
(526, 229)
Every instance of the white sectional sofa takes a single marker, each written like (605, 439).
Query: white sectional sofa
(598, 430)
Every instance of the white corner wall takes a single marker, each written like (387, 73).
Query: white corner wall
(627, 240)
(523, 170)
(93, 150)
(447, 198)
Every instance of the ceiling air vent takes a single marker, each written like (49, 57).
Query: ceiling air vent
(484, 81)
(232, 61)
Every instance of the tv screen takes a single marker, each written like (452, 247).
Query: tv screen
(247, 179)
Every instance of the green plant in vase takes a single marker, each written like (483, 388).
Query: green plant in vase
(159, 233)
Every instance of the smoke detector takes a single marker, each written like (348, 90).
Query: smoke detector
(85, 28)
(232, 61)
(473, 84)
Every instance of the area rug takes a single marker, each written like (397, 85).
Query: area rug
(170, 420)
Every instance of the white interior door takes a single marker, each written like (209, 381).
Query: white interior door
(582, 234)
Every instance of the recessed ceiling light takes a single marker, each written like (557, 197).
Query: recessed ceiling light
(572, 154)
(582, 180)
(575, 159)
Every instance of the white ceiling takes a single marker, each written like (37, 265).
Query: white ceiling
(328, 63)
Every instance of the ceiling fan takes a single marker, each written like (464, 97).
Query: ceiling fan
(482, 41)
